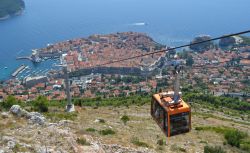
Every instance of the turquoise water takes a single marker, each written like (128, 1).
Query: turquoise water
(169, 22)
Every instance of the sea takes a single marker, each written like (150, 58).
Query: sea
(170, 22)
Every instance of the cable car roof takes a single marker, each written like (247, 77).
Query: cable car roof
(164, 102)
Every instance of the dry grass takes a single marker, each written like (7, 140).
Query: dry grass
(142, 126)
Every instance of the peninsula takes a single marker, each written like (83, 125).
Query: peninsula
(10, 8)
(83, 54)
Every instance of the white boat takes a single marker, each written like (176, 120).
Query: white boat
(140, 24)
(5, 67)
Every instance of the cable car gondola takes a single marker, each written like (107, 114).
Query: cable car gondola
(170, 112)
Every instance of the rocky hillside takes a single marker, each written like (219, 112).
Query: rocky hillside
(23, 131)
(102, 129)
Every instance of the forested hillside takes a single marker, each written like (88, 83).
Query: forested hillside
(10, 7)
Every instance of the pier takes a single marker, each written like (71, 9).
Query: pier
(32, 58)
(22, 67)
(24, 57)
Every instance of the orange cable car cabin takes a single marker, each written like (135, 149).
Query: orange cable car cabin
(170, 112)
(172, 118)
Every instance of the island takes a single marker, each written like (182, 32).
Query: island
(10, 8)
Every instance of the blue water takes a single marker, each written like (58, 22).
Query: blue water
(169, 22)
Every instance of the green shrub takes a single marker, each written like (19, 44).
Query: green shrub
(10, 101)
(101, 120)
(202, 141)
(125, 119)
(58, 104)
(41, 104)
(139, 143)
(113, 101)
(16, 147)
(160, 142)
(57, 116)
(227, 102)
(182, 149)
(211, 128)
(198, 128)
(245, 145)
(19, 148)
(216, 149)
(234, 137)
(90, 130)
(82, 141)
(107, 132)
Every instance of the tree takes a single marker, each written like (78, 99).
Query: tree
(202, 46)
(190, 61)
(10, 101)
(41, 104)
(225, 42)
(164, 71)
(183, 54)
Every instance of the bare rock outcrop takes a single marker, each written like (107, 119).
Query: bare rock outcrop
(34, 117)
(115, 148)
(4, 115)
(52, 137)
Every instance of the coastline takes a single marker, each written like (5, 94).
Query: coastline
(5, 17)
(8, 16)
(20, 12)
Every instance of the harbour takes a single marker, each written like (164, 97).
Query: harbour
(29, 32)
(28, 70)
